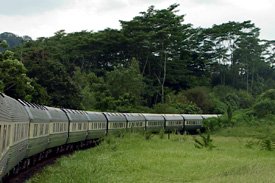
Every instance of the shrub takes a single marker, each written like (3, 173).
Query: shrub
(267, 144)
(236, 98)
(200, 96)
(205, 141)
(212, 124)
(165, 108)
(264, 108)
(232, 100)
(246, 100)
(161, 134)
(148, 135)
(269, 94)
(188, 108)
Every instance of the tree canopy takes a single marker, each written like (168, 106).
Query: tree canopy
(156, 61)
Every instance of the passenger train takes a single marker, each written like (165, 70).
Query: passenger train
(31, 132)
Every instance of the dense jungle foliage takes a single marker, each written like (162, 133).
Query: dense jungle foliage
(155, 63)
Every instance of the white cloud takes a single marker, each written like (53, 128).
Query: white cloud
(28, 7)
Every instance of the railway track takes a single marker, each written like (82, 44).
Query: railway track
(27, 173)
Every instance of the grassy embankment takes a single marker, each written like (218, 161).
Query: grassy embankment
(237, 157)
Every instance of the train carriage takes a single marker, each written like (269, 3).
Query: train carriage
(29, 131)
(135, 122)
(38, 129)
(58, 128)
(97, 124)
(192, 122)
(154, 122)
(14, 127)
(206, 116)
(78, 125)
(117, 123)
(173, 122)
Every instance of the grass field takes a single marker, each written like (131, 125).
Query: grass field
(134, 159)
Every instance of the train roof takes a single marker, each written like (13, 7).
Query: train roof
(173, 117)
(134, 116)
(76, 115)
(205, 116)
(153, 117)
(11, 110)
(57, 114)
(96, 116)
(37, 113)
(118, 117)
(192, 116)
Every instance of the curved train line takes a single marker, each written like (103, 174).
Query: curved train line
(30, 132)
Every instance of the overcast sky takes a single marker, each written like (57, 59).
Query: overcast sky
(41, 18)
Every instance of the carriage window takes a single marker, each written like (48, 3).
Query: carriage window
(17, 132)
(27, 130)
(4, 138)
(41, 129)
(23, 131)
(8, 136)
(47, 129)
(74, 127)
(35, 130)
(79, 126)
(1, 138)
(54, 130)
(14, 133)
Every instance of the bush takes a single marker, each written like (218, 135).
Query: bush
(165, 108)
(269, 95)
(267, 144)
(212, 124)
(205, 141)
(148, 135)
(264, 108)
(161, 134)
(236, 98)
(177, 108)
(219, 106)
(200, 96)
(232, 100)
(246, 100)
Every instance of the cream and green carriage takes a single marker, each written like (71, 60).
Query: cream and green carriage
(135, 122)
(97, 125)
(14, 128)
(154, 122)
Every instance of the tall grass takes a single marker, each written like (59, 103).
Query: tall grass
(135, 159)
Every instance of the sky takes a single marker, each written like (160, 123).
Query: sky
(42, 18)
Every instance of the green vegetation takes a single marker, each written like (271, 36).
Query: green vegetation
(156, 62)
(135, 159)
(205, 141)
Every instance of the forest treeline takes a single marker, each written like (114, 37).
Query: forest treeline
(155, 63)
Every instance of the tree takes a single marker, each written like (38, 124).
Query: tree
(127, 82)
(156, 36)
(53, 76)
(14, 81)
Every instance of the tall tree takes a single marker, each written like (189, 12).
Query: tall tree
(156, 36)
(14, 81)
(126, 81)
